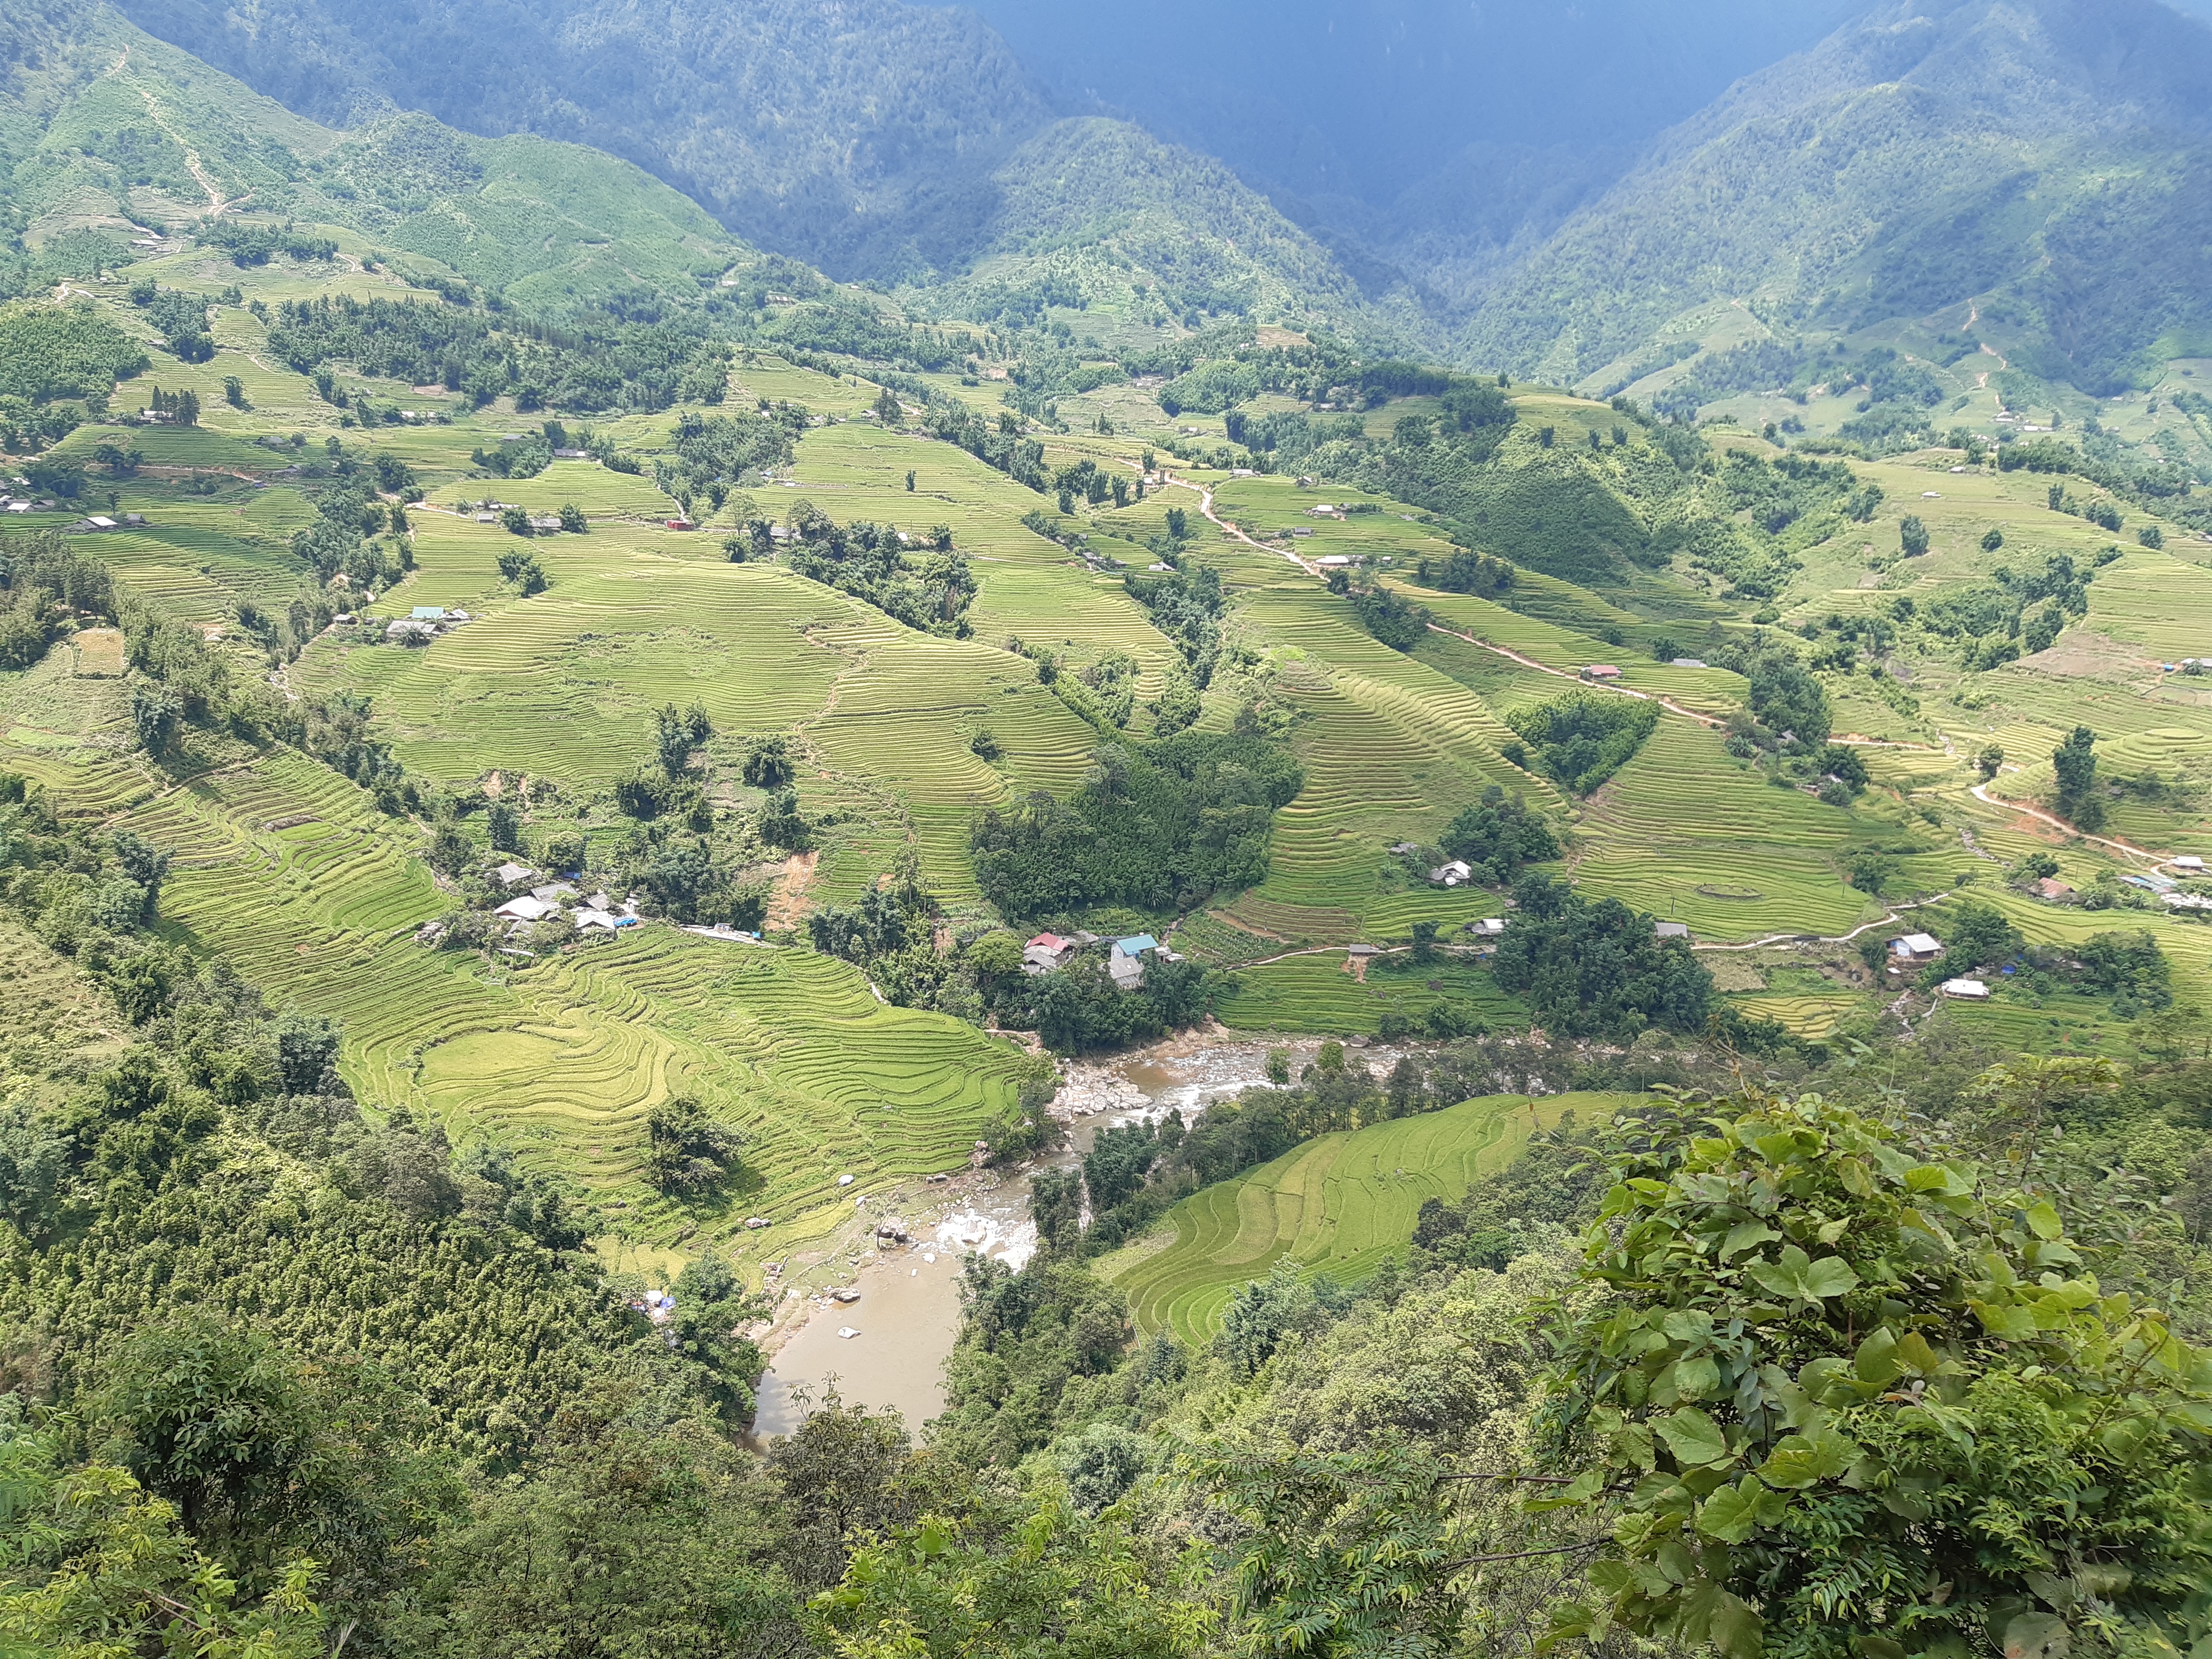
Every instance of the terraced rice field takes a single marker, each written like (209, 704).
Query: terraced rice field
(1340, 1204)
(1684, 833)
(1314, 994)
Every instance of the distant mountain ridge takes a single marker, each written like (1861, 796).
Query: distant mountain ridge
(2030, 151)
(872, 139)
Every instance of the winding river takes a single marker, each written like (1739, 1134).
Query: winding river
(887, 1349)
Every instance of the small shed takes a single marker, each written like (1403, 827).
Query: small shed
(1916, 947)
(1671, 929)
(1601, 671)
(546, 525)
(1364, 951)
(510, 872)
(2051, 888)
(1685, 662)
(1966, 990)
(1490, 927)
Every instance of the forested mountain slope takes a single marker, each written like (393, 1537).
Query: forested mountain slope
(2042, 155)
(105, 131)
(878, 140)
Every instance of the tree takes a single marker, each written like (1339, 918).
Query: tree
(1992, 540)
(687, 1151)
(675, 735)
(768, 763)
(1425, 942)
(520, 568)
(1848, 1395)
(627, 1540)
(1978, 935)
(2074, 765)
(573, 520)
(155, 715)
(98, 1566)
(1912, 536)
(234, 391)
(1987, 759)
(1784, 698)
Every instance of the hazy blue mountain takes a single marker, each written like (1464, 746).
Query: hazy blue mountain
(2046, 154)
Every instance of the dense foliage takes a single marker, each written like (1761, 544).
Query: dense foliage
(1860, 1396)
(1581, 739)
(1168, 823)
(927, 586)
(1595, 968)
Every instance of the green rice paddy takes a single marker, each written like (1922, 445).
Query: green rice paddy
(1341, 1206)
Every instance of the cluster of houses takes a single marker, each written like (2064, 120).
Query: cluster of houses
(423, 625)
(2163, 887)
(1917, 951)
(1125, 957)
(522, 911)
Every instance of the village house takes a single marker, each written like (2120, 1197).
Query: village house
(511, 874)
(1451, 874)
(2051, 888)
(1046, 953)
(528, 907)
(1966, 990)
(1601, 671)
(545, 524)
(1915, 948)
(1488, 927)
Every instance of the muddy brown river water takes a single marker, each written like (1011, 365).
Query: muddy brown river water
(887, 1350)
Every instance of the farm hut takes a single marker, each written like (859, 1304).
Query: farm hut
(1916, 947)
(1450, 875)
(1601, 670)
(678, 524)
(1966, 990)
(2187, 862)
(1333, 561)
(546, 525)
(97, 521)
(1400, 848)
(134, 519)
(1364, 951)
(1671, 929)
(2051, 888)
(572, 455)
(1685, 662)
(407, 631)
(1490, 927)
